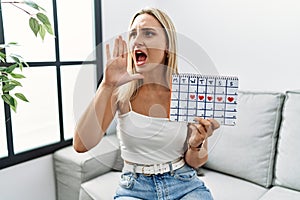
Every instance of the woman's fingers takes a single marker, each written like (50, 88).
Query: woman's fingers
(125, 53)
(205, 123)
(116, 48)
(202, 129)
(198, 135)
(120, 47)
(199, 128)
(108, 56)
(215, 124)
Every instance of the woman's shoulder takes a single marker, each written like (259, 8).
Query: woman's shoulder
(123, 107)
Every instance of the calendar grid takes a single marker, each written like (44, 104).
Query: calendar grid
(225, 107)
(215, 85)
(204, 96)
(205, 99)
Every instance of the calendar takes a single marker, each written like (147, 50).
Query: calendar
(195, 95)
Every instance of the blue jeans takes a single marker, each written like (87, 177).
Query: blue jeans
(181, 184)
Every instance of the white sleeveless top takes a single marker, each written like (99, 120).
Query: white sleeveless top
(150, 140)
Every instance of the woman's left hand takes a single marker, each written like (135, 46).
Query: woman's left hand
(201, 130)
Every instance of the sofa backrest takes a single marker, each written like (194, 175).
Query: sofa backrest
(287, 167)
(247, 150)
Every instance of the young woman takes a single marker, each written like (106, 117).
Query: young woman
(159, 155)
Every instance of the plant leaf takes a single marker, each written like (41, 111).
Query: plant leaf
(11, 101)
(2, 69)
(48, 28)
(8, 99)
(32, 4)
(42, 32)
(8, 87)
(4, 78)
(12, 43)
(42, 9)
(21, 96)
(26, 64)
(20, 66)
(11, 68)
(16, 58)
(34, 25)
(15, 82)
(43, 18)
(14, 105)
(18, 76)
(5, 81)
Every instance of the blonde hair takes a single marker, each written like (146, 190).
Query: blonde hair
(129, 90)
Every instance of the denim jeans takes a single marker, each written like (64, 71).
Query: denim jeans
(182, 183)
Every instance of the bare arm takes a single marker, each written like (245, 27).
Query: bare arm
(92, 124)
(99, 114)
(197, 158)
(200, 131)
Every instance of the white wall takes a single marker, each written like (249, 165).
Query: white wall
(32, 180)
(256, 40)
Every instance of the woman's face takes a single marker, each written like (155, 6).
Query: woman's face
(147, 43)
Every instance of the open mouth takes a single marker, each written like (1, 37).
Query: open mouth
(140, 57)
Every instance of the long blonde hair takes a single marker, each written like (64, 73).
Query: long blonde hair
(127, 91)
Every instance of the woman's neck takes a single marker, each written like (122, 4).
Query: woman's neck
(157, 88)
(155, 79)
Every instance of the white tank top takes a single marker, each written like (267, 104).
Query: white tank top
(150, 140)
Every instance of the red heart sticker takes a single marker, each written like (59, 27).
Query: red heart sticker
(209, 98)
(230, 99)
(201, 97)
(192, 96)
(219, 98)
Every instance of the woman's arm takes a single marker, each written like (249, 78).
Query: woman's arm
(99, 114)
(195, 155)
(92, 124)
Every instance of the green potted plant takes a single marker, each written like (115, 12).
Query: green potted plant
(11, 65)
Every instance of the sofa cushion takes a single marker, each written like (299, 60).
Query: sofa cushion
(287, 170)
(280, 193)
(100, 188)
(72, 168)
(247, 150)
(224, 187)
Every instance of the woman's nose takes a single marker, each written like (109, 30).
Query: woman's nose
(138, 40)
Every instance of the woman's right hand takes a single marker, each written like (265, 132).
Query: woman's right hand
(116, 73)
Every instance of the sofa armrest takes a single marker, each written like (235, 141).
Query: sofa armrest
(72, 168)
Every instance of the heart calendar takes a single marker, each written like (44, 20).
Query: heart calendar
(195, 95)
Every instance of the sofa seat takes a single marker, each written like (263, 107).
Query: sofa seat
(227, 187)
(280, 193)
(100, 188)
(223, 187)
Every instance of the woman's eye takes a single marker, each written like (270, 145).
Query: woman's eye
(149, 34)
(132, 35)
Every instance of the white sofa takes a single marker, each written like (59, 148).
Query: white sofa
(256, 159)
